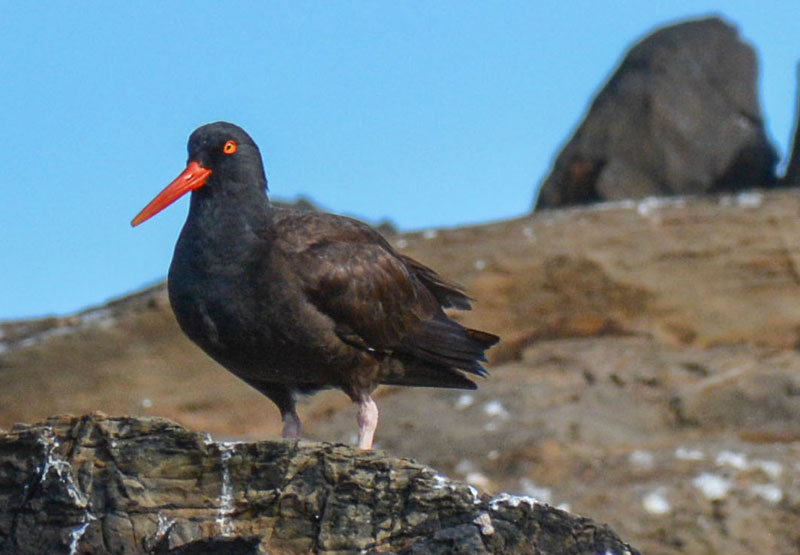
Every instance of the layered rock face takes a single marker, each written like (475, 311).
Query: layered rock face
(126, 485)
(679, 116)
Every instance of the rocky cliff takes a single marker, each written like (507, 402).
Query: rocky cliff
(126, 485)
(649, 376)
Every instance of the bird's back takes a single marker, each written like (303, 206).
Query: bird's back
(381, 302)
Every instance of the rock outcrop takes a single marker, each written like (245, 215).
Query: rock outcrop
(125, 485)
(791, 176)
(679, 116)
(651, 376)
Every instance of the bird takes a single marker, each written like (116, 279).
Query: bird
(293, 302)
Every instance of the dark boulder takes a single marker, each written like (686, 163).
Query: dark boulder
(791, 176)
(680, 116)
(133, 485)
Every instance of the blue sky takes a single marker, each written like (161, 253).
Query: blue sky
(426, 113)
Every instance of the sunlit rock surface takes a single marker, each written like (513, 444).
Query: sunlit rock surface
(146, 485)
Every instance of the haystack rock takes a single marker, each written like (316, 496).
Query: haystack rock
(791, 177)
(680, 116)
(125, 485)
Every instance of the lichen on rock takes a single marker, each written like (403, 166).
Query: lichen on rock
(97, 484)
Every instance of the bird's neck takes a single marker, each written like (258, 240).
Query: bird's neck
(221, 205)
(225, 222)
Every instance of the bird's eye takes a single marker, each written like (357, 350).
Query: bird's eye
(229, 148)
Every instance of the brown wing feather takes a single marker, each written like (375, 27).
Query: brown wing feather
(368, 292)
(448, 293)
(352, 274)
(386, 302)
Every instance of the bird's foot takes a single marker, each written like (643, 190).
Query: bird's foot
(291, 426)
(367, 421)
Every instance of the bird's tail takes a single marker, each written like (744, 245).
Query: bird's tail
(445, 343)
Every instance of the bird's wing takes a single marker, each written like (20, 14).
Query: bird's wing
(380, 300)
(448, 293)
(352, 275)
(370, 294)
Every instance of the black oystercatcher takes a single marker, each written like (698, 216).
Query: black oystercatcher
(294, 302)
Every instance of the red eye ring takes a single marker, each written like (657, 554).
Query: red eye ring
(229, 148)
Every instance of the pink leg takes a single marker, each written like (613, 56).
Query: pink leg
(367, 421)
(291, 425)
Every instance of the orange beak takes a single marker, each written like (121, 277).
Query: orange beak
(193, 177)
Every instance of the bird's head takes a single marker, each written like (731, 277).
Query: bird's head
(219, 153)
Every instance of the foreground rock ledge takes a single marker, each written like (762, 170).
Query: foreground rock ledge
(97, 484)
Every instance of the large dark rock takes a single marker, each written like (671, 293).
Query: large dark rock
(679, 116)
(791, 177)
(125, 485)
